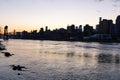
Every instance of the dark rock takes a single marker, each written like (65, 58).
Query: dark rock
(18, 73)
(18, 67)
(2, 48)
(7, 54)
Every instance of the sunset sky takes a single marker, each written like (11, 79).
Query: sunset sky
(33, 14)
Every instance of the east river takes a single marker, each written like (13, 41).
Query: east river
(60, 60)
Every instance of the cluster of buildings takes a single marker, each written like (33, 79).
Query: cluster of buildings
(106, 30)
(108, 27)
(71, 33)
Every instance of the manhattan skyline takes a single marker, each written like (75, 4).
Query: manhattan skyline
(33, 14)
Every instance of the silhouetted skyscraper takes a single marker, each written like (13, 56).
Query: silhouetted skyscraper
(71, 29)
(100, 19)
(80, 28)
(105, 27)
(118, 25)
(88, 30)
(46, 28)
(5, 33)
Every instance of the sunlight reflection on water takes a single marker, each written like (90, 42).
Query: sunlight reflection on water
(61, 60)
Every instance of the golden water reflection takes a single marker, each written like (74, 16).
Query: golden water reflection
(64, 60)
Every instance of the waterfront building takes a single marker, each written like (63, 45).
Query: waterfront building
(71, 29)
(118, 25)
(105, 26)
(88, 30)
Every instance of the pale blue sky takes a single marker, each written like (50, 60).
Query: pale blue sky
(33, 14)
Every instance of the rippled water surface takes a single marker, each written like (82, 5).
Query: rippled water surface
(60, 60)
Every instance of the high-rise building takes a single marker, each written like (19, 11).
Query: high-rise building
(118, 25)
(105, 26)
(46, 28)
(71, 29)
(5, 33)
(88, 30)
(100, 19)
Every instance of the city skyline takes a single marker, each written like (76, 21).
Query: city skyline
(33, 14)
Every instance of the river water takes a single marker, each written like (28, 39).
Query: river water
(60, 60)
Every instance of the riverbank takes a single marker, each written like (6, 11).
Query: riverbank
(98, 41)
